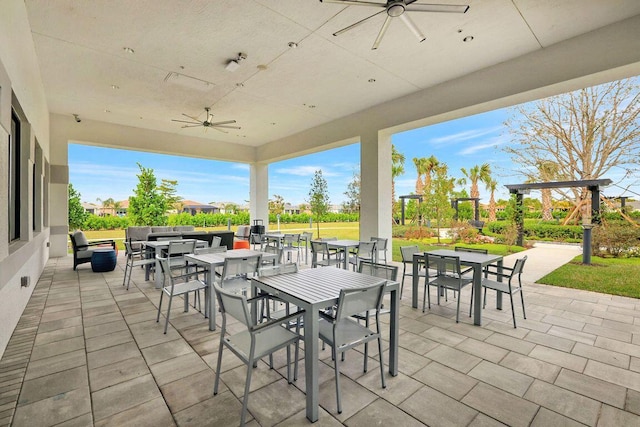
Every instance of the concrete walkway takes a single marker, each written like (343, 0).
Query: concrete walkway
(543, 258)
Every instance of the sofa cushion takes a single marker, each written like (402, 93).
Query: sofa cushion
(183, 228)
(81, 239)
(159, 229)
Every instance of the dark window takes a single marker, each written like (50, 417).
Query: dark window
(14, 178)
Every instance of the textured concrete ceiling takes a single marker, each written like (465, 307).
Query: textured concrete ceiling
(278, 90)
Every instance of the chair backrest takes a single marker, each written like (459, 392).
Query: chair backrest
(274, 270)
(166, 271)
(358, 300)
(474, 250)
(271, 249)
(367, 249)
(308, 235)
(289, 240)
(181, 247)
(235, 305)
(215, 242)
(519, 266)
(433, 262)
(240, 266)
(79, 240)
(384, 271)
(381, 243)
(407, 252)
(449, 266)
(127, 248)
(211, 250)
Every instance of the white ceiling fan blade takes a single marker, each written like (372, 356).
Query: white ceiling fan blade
(352, 26)
(412, 26)
(226, 127)
(442, 8)
(184, 121)
(355, 3)
(192, 126)
(226, 122)
(382, 32)
(191, 117)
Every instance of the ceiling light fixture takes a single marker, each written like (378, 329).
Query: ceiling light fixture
(292, 45)
(128, 50)
(114, 87)
(234, 64)
(467, 39)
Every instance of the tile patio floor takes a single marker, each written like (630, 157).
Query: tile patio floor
(88, 352)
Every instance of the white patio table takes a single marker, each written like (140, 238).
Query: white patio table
(476, 260)
(343, 246)
(314, 289)
(155, 246)
(210, 262)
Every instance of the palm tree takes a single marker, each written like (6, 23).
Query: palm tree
(420, 169)
(397, 169)
(475, 174)
(492, 184)
(430, 164)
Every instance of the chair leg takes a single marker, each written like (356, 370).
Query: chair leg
(471, 304)
(247, 386)
(366, 345)
(219, 364)
(513, 309)
(522, 299)
(484, 300)
(289, 364)
(458, 311)
(384, 385)
(160, 306)
(166, 323)
(337, 369)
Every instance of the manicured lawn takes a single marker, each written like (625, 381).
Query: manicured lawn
(616, 276)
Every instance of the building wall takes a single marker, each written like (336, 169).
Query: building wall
(20, 77)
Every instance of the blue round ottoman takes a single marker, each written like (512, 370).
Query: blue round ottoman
(103, 260)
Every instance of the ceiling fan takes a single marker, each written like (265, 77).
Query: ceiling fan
(207, 122)
(397, 9)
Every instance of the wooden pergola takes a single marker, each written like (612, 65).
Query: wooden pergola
(476, 202)
(593, 185)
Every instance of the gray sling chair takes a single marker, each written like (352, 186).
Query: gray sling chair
(321, 256)
(174, 285)
(254, 341)
(366, 252)
(407, 263)
(135, 258)
(342, 333)
(449, 276)
(508, 287)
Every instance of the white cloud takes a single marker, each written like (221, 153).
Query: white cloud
(305, 171)
(490, 143)
(465, 135)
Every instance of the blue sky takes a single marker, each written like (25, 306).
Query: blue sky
(103, 172)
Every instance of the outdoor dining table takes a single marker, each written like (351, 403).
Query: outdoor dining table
(155, 246)
(476, 260)
(210, 262)
(303, 238)
(315, 289)
(343, 246)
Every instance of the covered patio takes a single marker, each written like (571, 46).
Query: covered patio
(77, 350)
(87, 352)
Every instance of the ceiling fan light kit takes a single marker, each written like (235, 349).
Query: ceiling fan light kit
(397, 9)
(234, 64)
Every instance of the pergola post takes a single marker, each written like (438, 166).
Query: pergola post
(520, 218)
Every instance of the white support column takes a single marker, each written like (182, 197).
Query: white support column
(375, 187)
(58, 194)
(259, 192)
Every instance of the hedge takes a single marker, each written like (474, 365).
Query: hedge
(539, 230)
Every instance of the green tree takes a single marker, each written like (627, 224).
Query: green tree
(352, 204)
(318, 198)
(437, 204)
(168, 189)
(148, 206)
(397, 169)
(584, 134)
(77, 214)
(276, 205)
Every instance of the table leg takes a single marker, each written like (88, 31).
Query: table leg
(477, 294)
(499, 294)
(415, 281)
(212, 299)
(158, 277)
(394, 330)
(311, 319)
